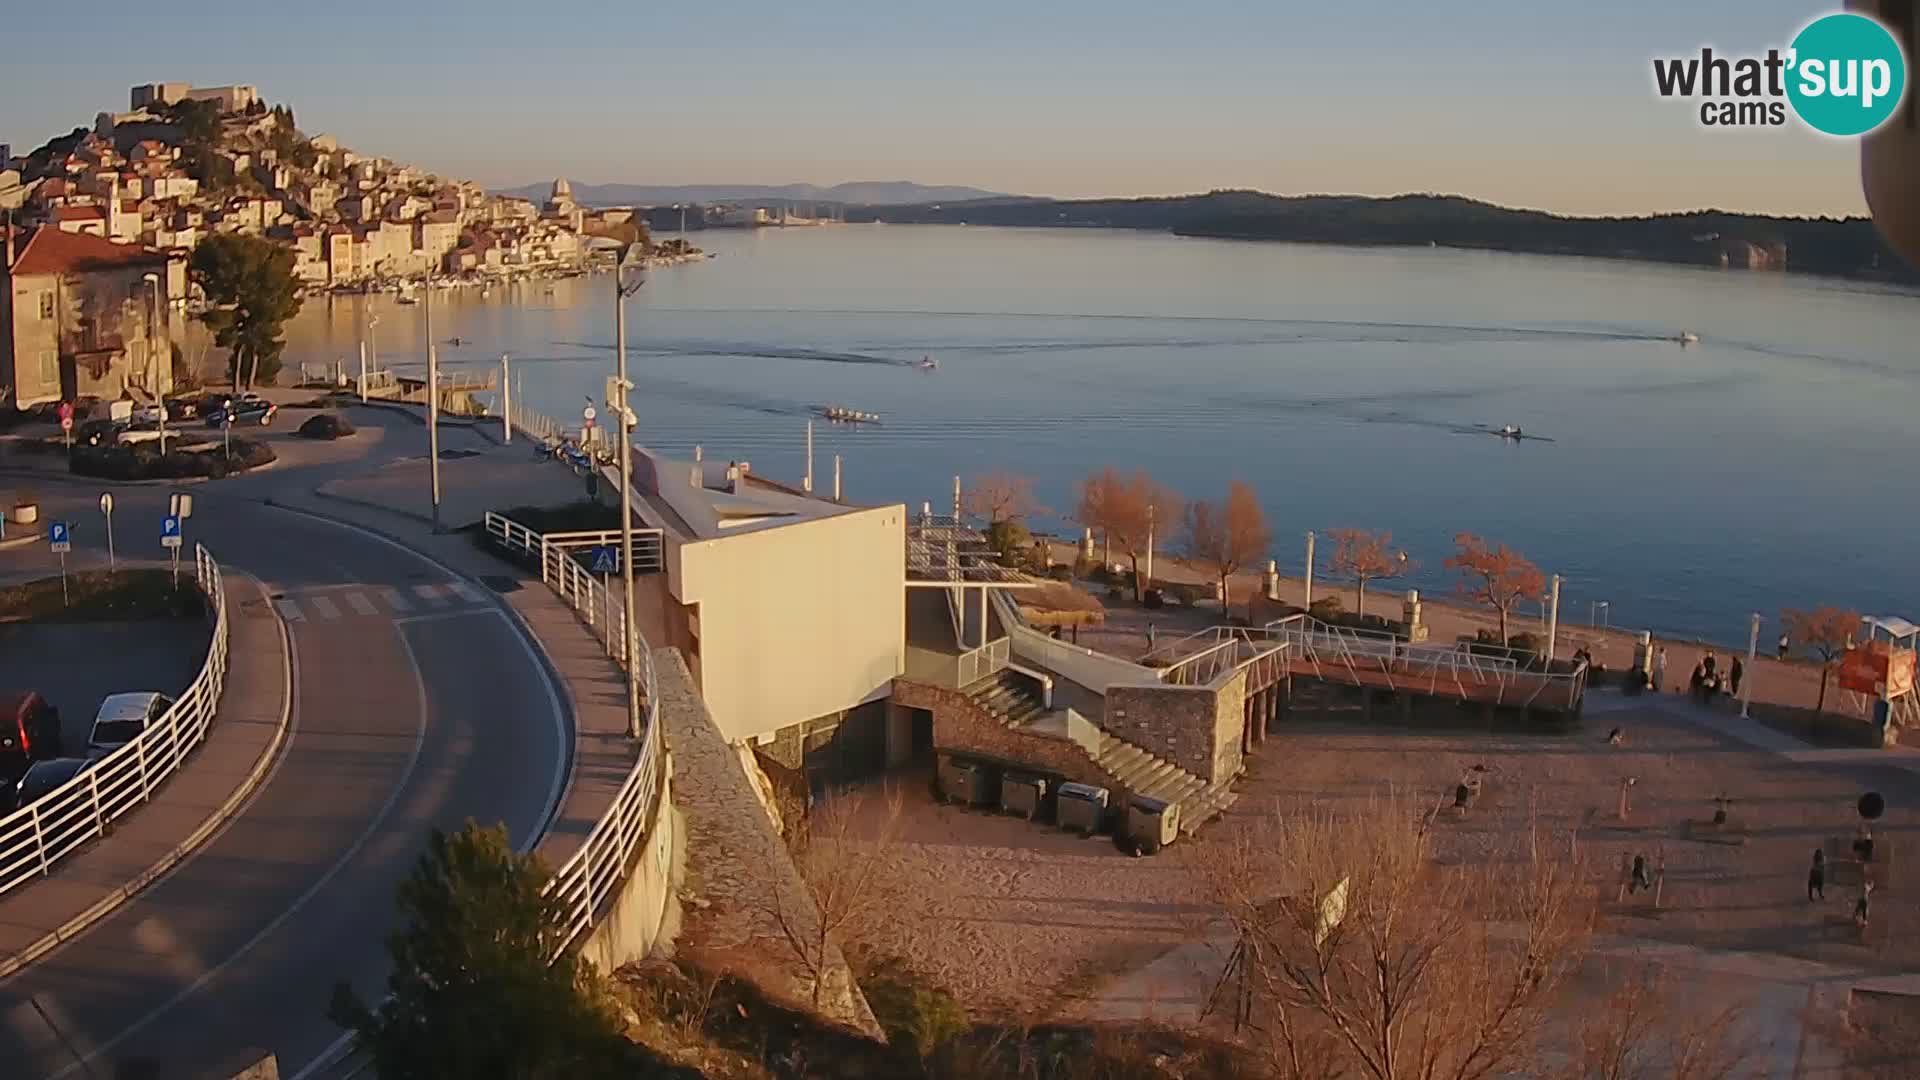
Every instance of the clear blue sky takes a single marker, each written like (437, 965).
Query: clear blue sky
(1545, 103)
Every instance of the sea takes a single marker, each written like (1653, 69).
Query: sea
(1674, 487)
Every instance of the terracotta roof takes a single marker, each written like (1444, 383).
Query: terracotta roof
(51, 251)
(88, 212)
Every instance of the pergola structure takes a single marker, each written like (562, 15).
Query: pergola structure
(944, 553)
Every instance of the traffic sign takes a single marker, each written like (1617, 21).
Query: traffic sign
(66, 423)
(180, 505)
(106, 502)
(170, 531)
(59, 537)
(606, 559)
(588, 414)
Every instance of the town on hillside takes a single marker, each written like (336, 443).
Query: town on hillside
(99, 225)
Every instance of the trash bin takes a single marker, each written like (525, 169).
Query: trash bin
(966, 782)
(1081, 807)
(1023, 794)
(1152, 823)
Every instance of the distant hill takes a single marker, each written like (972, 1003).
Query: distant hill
(865, 192)
(1845, 247)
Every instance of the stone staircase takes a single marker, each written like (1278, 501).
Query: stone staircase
(1010, 700)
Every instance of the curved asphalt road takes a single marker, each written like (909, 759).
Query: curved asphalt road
(402, 720)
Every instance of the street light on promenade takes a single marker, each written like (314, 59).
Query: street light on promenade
(433, 409)
(153, 362)
(621, 385)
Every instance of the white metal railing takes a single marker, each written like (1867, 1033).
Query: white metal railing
(37, 836)
(588, 879)
(981, 661)
(538, 425)
(1476, 672)
(649, 549)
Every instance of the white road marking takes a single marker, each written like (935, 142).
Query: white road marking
(289, 610)
(324, 606)
(395, 600)
(468, 593)
(361, 604)
(430, 593)
(441, 616)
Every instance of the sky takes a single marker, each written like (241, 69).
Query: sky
(1545, 103)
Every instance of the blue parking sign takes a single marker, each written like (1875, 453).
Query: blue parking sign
(170, 531)
(59, 537)
(606, 559)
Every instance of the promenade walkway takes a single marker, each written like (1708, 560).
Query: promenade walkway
(214, 783)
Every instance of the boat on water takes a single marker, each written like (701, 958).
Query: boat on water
(928, 363)
(1688, 337)
(407, 298)
(1510, 431)
(842, 415)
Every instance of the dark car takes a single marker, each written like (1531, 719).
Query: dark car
(189, 406)
(247, 409)
(99, 432)
(29, 731)
(41, 778)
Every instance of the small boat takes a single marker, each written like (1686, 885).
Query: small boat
(1510, 432)
(455, 341)
(406, 298)
(842, 415)
(1688, 337)
(928, 363)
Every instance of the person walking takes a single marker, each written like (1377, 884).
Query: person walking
(1659, 668)
(1697, 684)
(1784, 646)
(1861, 905)
(1817, 877)
(1150, 638)
(1709, 664)
(1733, 676)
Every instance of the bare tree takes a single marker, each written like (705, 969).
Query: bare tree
(1366, 556)
(1370, 958)
(1227, 539)
(1495, 576)
(999, 496)
(848, 860)
(1128, 512)
(1823, 633)
(1644, 1028)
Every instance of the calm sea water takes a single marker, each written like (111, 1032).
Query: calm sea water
(1769, 465)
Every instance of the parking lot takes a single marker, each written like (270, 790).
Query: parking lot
(75, 665)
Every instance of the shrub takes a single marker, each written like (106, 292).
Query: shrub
(144, 461)
(916, 1017)
(326, 426)
(1327, 609)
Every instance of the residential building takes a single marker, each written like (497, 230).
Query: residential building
(84, 218)
(439, 235)
(79, 318)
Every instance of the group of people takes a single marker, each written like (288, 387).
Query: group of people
(1817, 877)
(1707, 679)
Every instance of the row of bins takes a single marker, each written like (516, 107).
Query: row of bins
(1148, 824)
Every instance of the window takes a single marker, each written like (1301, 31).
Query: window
(46, 305)
(49, 368)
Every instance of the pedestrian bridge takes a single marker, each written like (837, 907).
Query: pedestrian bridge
(1300, 645)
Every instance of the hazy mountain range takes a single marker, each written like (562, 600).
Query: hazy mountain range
(860, 192)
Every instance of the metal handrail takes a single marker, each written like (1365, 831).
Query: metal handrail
(981, 661)
(34, 838)
(588, 879)
(1391, 656)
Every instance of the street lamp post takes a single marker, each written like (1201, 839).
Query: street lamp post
(153, 319)
(1308, 600)
(1753, 650)
(506, 398)
(621, 383)
(433, 411)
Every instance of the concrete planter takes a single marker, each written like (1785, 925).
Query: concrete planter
(25, 514)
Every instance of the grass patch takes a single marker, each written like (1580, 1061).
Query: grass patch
(95, 595)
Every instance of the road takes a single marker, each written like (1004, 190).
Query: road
(417, 704)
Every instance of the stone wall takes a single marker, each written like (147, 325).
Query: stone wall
(1195, 727)
(960, 725)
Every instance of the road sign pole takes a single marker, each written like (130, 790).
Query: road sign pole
(111, 566)
(65, 600)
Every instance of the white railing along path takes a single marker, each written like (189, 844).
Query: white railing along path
(34, 838)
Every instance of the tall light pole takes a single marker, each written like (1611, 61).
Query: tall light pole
(433, 411)
(506, 398)
(1309, 596)
(369, 355)
(1753, 651)
(153, 320)
(621, 290)
(1553, 621)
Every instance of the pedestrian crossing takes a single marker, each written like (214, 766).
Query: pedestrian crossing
(379, 601)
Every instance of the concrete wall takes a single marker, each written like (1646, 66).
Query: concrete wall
(645, 913)
(799, 621)
(1094, 670)
(959, 725)
(98, 309)
(1195, 727)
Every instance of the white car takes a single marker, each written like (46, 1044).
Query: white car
(121, 719)
(150, 413)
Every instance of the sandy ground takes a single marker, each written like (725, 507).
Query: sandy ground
(1013, 915)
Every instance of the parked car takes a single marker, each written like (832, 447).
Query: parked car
(121, 719)
(151, 413)
(187, 407)
(29, 731)
(141, 431)
(248, 408)
(99, 433)
(40, 778)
